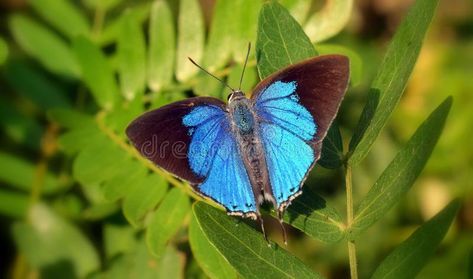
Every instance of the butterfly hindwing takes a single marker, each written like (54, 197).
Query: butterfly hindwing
(295, 107)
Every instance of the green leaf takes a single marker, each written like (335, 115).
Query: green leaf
(401, 173)
(162, 43)
(96, 72)
(20, 174)
(117, 184)
(329, 20)
(146, 193)
(470, 264)
(280, 40)
(245, 249)
(166, 220)
(54, 245)
(409, 257)
(246, 20)
(310, 214)
(41, 43)
(132, 57)
(3, 51)
(62, 15)
(210, 260)
(71, 119)
(332, 149)
(218, 49)
(13, 204)
(249, 80)
(103, 5)
(118, 239)
(392, 77)
(33, 84)
(190, 38)
(171, 264)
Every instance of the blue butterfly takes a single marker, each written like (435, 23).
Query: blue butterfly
(251, 150)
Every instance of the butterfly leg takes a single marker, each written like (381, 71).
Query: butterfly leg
(280, 216)
(262, 229)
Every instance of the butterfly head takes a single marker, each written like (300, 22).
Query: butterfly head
(235, 95)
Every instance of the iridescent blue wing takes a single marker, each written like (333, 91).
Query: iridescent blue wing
(295, 107)
(192, 140)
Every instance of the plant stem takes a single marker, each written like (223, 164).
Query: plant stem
(351, 243)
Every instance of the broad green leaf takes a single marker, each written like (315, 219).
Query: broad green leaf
(20, 174)
(132, 57)
(118, 239)
(13, 204)
(249, 80)
(21, 128)
(206, 85)
(71, 119)
(171, 264)
(222, 34)
(356, 64)
(190, 38)
(62, 15)
(33, 84)
(298, 8)
(146, 193)
(45, 46)
(470, 264)
(209, 258)
(409, 257)
(76, 140)
(119, 183)
(329, 20)
(162, 44)
(280, 40)
(310, 214)
(246, 22)
(96, 72)
(166, 220)
(332, 149)
(50, 242)
(245, 249)
(3, 51)
(401, 173)
(392, 77)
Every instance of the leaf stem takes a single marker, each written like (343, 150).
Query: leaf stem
(351, 243)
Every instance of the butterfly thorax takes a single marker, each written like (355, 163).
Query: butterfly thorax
(245, 127)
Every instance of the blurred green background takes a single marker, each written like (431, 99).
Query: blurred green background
(88, 235)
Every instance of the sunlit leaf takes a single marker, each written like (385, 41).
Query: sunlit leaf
(329, 20)
(210, 260)
(245, 249)
(55, 246)
(102, 4)
(401, 173)
(162, 45)
(132, 57)
(171, 264)
(62, 15)
(118, 239)
(96, 72)
(44, 45)
(146, 193)
(190, 38)
(247, 14)
(409, 257)
(166, 220)
(280, 40)
(221, 36)
(298, 8)
(392, 77)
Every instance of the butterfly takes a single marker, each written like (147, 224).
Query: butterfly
(249, 150)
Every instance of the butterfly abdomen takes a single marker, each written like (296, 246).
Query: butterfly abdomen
(251, 148)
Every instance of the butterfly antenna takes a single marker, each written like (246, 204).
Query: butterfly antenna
(244, 66)
(284, 234)
(200, 67)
